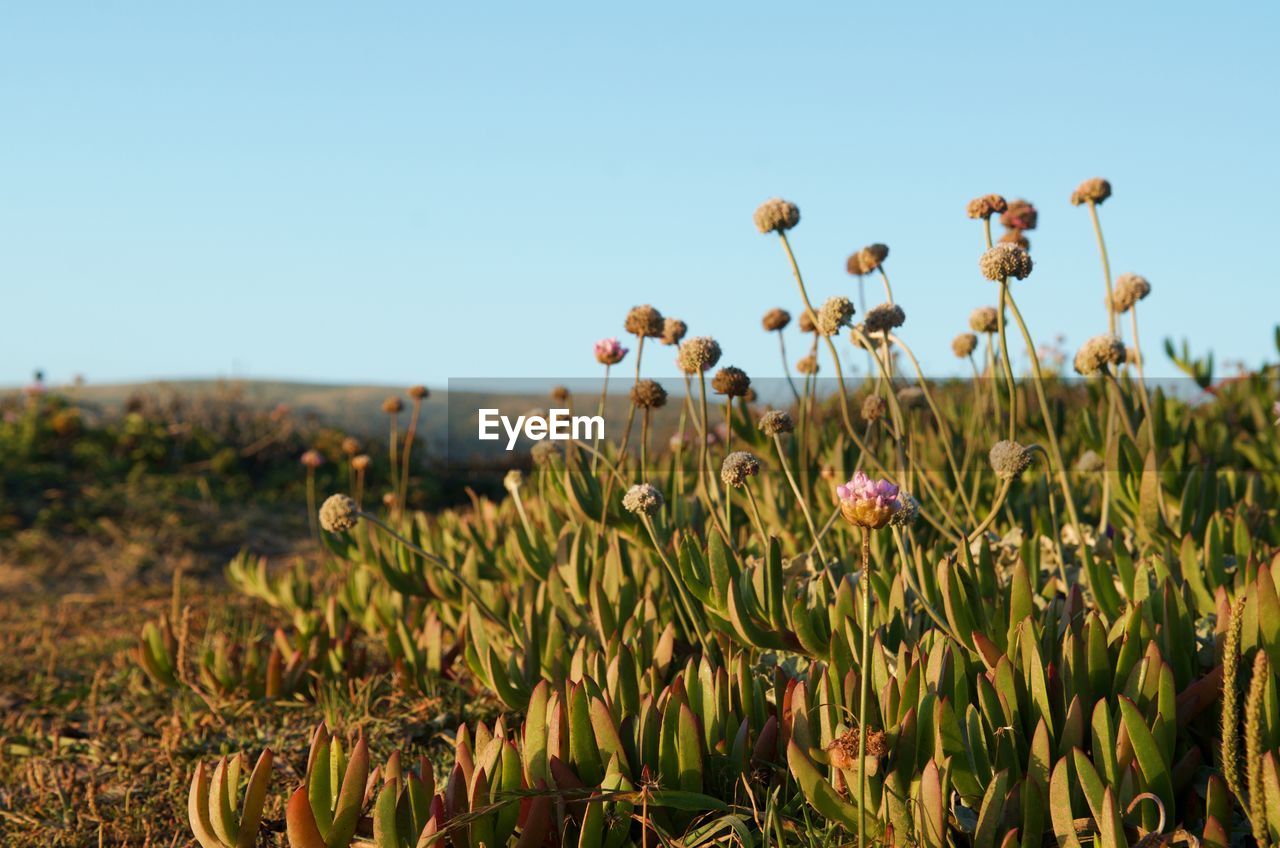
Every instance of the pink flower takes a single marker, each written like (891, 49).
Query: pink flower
(609, 351)
(868, 503)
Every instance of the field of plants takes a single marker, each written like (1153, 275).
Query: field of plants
(1034, 607)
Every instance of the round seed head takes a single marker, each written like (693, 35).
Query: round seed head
(985, 207)
(1130, 288)
(730, 381)
(737, 467)
(644, 321)
(351, 446)
(642, 499)
(361, 461)
(698, 354)
(1009, 459)
(544, 452)
(883, 318)
(836, 313)
(560, 394)
(1005, 261)
(775, 422)
(807, 365)
(907, 512)
(963, 345)
(845, 749)
(867, 260)
(984, 319)
(776, 319)
(776, 215)
(338, 513)
(1016, 237)
(806, 322)
(648, 394)
(312, 459)
(673, 330)
(419, 392)
(1093, 190)
(1020, 215)
(873, 408)
(393, 405)
(1098, 353)
(513, 481)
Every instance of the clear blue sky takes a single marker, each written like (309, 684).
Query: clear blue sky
(386, 192)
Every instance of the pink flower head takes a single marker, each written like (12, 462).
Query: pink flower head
(868, 503)
(609, 351)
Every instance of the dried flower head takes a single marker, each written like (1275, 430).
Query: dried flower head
(883, 318)
(1130, 288)
(750, 396)
(544, 452)
(312, 458)
(1090, 461)
(351, 446)
(776, 319)
(806, 322)
(648, 394)
(361, 461)
(1098, 353)
(642, 499)
(807, 365)
(867, 260)
(964, 344)
(845, 748)
(609, 351)
(393, 406)
(737, 467)
(644, 321)
(1016, 237)
(1093, 191)
(338, 513)
(698, 354)
(673, 330)
(776, 215)
(867, 503)
(1021, 215)
(513, 480)
(731, 382)
(912, 397)
(1005, 261)
(984, 319)
(775, 422)
(419, 392)
(907, 512)
(1009, 459)
(560, 394)
(873, 408)
(836, 313)
(985, 207)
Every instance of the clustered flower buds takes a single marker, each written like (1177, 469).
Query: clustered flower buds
(673, 330)
(1093, 191)
(1130, 288)
(609, 351)
(807, 365)
(338, 513)
(984, 319)
(883, 318)
(698, 354)
(776, 422)
(836, 313)
(1005, 261)
(737, 467)
(642, 499)
(648, 394)
(644, 321)
(868, 503)
(867, 260)
(985, 207)
(312, 458)
(873, 408)
(1009, 459)
(964, 345)
(776, 215)
(1098, 353)
(731, 382)
(1020, 215)
(776, 319)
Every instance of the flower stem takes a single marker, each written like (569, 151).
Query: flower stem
(864, 685)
